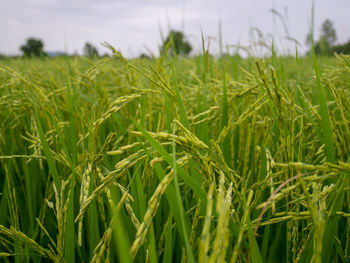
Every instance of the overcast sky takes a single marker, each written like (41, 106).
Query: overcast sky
(135, 26)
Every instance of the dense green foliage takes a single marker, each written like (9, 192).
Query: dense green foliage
(90, 51)
(176, 44)
(342, 48)
(33, 48)
(326, 44)
(175, 159)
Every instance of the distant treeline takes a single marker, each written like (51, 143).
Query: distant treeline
(321, 49)
(174, 44)
(326, 43)
(177, 44)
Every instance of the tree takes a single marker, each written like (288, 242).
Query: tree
(328, 33)
(327, 39)
(90, 51)
(177, 44)
(33, 48)
(144, 56)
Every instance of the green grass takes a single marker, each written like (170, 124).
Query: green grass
(175, 159)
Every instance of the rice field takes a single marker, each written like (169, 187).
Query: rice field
(175, 159)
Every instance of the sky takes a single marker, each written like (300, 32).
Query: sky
(136, 26)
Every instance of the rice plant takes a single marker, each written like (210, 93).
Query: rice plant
(175, 159)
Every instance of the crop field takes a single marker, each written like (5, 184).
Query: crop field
(175, 159)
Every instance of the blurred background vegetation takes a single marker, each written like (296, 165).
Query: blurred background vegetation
(177, 43)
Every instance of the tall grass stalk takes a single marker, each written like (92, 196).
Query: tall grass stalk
(175, 159)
